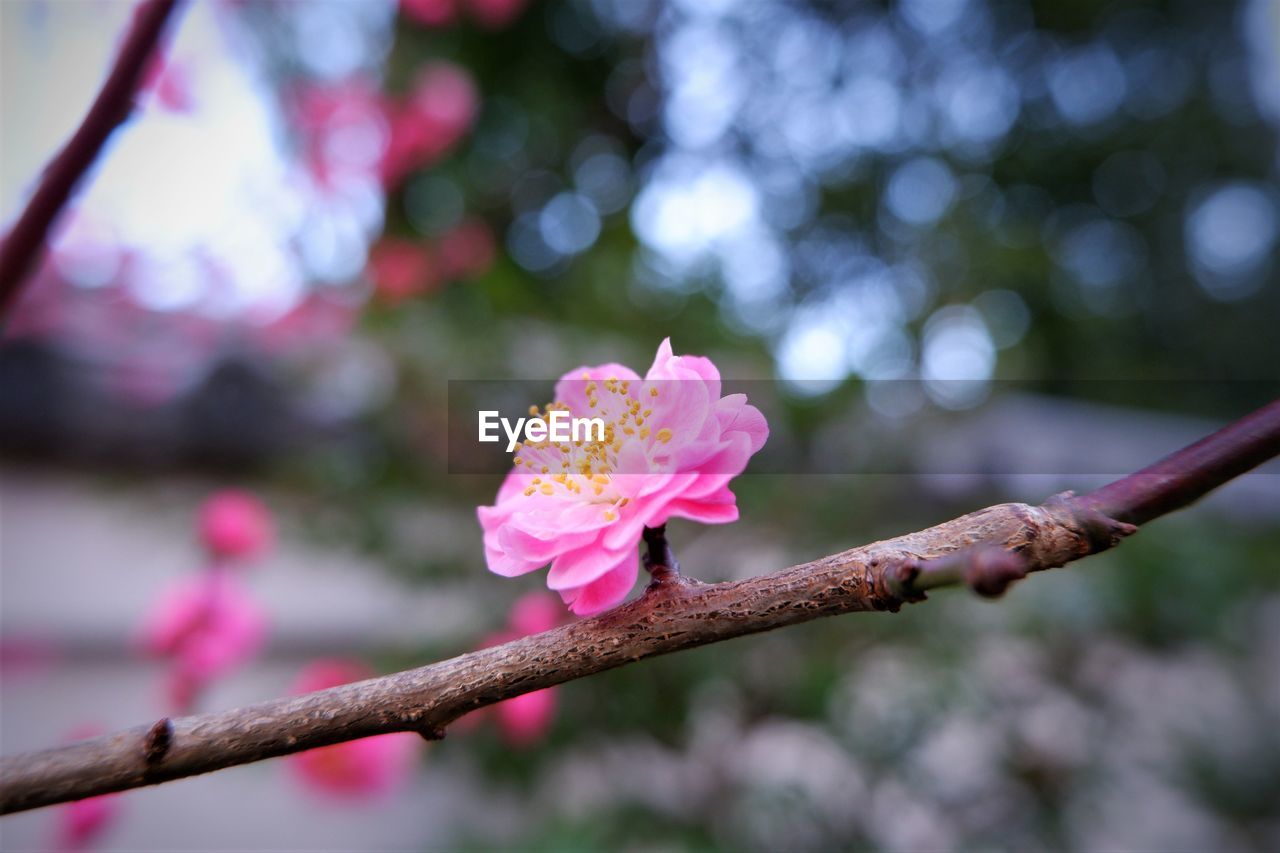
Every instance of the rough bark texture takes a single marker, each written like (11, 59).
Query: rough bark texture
(986, 549)
(26, 239)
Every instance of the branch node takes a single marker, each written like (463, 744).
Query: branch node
(155, 746)
(985, 569)
(990, 571)
(1100, 531)
(432, 733)
(896, 584)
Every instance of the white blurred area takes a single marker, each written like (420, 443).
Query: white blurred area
(202, 195)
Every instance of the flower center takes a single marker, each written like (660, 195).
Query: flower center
(585, 469)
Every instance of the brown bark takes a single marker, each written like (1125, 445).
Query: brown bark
(986, 550)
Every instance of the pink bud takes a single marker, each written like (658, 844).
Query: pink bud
(356, 769)
(235, 524)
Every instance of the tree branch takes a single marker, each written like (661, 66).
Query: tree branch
(987, 550)
(26, 239)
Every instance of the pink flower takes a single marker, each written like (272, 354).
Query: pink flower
(207, 625)
(235, 524)
(400, 269)
(358, 768)
(82, 823)
(671, 446)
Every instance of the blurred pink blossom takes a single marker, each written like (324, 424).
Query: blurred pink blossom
(436, 114)
(83, 823)
(314, 323)
(490, 14)
(671, 447)
(235, 524)
(533, 613)
(345, 128)
(526, 719)
(207, 626)
(401, 268)
(496, 14)
(522, 720)
(169, 82)
(353, 129)
(467, 250)
(430, 13)
(356, 769)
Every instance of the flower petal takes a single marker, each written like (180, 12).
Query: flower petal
(706, 512)
(581, 567)
(607, 590)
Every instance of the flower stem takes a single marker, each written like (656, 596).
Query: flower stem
(660, 561)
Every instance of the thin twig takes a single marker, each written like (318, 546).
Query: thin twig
(24, 243)
(1183, 477)
(667, 618)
